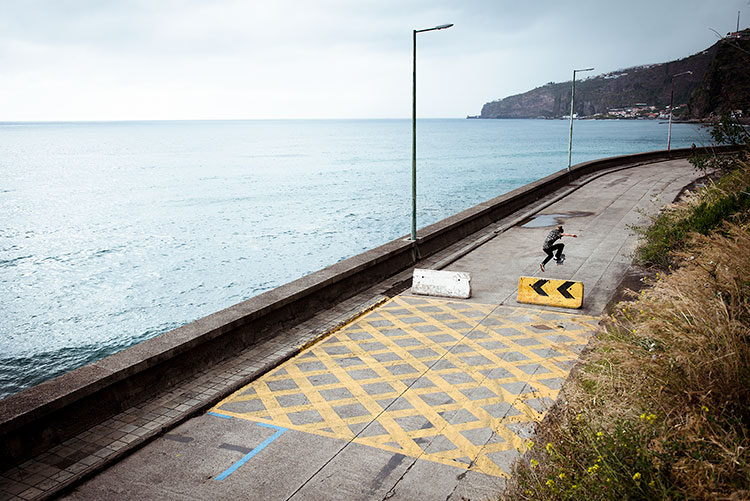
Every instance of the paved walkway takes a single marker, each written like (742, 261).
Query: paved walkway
(456, 383)
(419, 398)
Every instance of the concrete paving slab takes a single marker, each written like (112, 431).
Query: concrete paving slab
(188, 463)
(357, 472)
(443, 482)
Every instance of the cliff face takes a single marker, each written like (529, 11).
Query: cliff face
(720, 81)
(726, 84)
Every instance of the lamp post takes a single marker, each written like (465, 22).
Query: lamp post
(572, 97)
(414, 131)
(671, 102)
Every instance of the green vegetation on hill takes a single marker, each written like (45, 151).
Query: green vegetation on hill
(719, 83)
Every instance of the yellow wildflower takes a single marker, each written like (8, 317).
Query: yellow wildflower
(637, 476)
(704, 408)
(651, 484)
(549, 447)
(530, 444)
(534, 463)
(550, 483)
(562, 475)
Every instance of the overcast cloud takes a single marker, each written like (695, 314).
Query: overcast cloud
(236, 59)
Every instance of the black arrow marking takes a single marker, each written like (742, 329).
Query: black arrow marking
(563, 289)
(537, 286)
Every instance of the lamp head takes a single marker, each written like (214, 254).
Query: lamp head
(441, 27)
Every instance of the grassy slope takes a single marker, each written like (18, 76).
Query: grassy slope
(660, 406)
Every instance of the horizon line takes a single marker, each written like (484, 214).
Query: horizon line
(125, 120)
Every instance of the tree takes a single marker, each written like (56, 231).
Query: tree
(726, 130)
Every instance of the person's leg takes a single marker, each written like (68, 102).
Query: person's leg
(549, 256)
(558, 248)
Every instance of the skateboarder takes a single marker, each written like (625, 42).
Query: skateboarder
(550, 246)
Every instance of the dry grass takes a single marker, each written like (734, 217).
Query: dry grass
(660, 407)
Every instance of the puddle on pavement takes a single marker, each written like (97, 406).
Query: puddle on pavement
(545, 220)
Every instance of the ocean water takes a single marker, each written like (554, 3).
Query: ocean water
(114, 232)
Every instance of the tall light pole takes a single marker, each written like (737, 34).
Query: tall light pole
(414, 132)
(572, 98)
(671, 102)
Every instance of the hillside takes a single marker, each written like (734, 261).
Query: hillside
(720, 81)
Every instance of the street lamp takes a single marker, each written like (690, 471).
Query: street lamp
(572, 97)
(671, 102)
(414, 132)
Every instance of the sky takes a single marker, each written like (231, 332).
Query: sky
(299, 59)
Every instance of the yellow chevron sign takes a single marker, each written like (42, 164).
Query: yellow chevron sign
(549, 292)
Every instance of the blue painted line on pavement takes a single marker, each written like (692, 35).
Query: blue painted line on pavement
(252, 453)
(271, 426)
(279, 431)
(219, 415)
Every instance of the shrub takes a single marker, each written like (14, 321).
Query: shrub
(725, 130)
(726, 199)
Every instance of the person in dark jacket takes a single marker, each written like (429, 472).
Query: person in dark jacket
(549, 246)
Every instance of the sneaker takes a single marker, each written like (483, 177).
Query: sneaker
(541, 266)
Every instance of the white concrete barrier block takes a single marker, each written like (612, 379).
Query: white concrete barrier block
(441, 283)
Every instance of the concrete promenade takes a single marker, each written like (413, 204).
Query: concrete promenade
(407, 398)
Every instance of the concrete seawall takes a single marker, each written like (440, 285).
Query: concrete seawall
(56, 410)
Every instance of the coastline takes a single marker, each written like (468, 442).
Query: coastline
(217, 224)
(55, 410)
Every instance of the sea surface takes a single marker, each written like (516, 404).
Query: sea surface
(114, 232)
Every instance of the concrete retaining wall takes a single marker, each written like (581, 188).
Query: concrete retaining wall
(56, 410)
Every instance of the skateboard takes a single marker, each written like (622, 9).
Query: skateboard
(561, 260)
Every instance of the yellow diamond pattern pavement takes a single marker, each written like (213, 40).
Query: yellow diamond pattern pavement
(449, 381)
